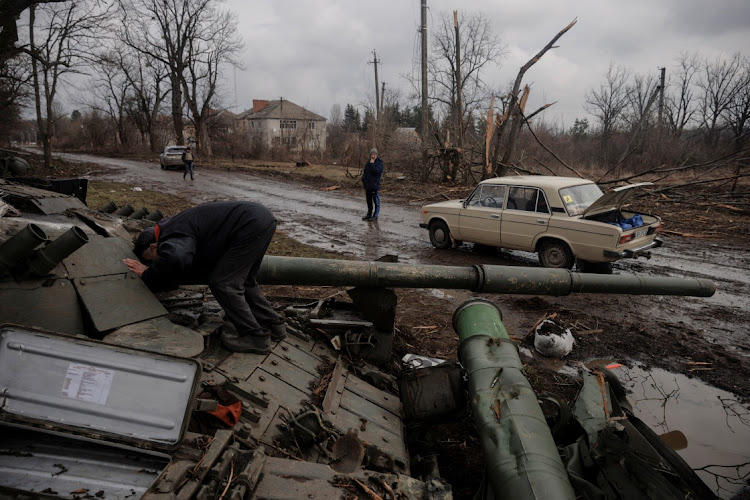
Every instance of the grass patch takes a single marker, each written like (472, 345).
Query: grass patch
(101, 192)
(333, 174)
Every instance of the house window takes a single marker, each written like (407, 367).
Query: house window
(311, 125)
(290, 124)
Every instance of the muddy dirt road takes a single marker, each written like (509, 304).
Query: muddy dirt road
(332, 220)
(657, 338)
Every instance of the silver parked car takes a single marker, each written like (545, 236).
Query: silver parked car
(171, 157)
(564, 219)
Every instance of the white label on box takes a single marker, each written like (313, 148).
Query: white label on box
(87, 383)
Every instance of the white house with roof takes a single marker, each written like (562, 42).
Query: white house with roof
(283, 122)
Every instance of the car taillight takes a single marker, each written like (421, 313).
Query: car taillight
(655, 229)
(424, 211)
(626, 237)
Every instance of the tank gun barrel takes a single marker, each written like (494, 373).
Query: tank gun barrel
(481, 278)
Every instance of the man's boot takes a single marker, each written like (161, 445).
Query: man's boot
(258, 344)
(277, 331)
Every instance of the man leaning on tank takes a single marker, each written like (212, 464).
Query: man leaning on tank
(220, 244)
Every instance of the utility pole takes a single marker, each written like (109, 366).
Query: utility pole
(377, 95)
(424, 88)
(382, 97)
(661, 100)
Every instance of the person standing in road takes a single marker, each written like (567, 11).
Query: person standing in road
(220, 244)
(371, 181)
(187, 159)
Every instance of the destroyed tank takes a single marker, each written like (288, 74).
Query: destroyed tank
(112, 392)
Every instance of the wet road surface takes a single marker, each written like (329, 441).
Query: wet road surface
(331, 220)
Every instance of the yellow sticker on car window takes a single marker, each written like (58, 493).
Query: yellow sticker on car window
(568, 199)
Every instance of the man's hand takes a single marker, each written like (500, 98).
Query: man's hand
(135, 266)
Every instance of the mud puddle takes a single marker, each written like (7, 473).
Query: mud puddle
(716, 425)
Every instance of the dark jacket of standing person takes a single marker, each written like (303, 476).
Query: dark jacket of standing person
(371, 174)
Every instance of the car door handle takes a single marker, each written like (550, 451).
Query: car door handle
(495, 216)
(542, 221)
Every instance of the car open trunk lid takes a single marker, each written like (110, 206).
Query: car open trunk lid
(614, 198)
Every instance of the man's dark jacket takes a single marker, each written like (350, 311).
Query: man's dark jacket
(371, 175)
(190, 243)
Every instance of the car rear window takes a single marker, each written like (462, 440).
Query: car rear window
(175, 150)
(578, 198)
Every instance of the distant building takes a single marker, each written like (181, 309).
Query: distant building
(283, 122)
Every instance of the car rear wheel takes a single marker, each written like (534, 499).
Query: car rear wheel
(556, 254)
(440, 235)
(162, 166)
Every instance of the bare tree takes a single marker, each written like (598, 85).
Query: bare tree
(609, 102)
(336, 117)
(67, 36)
(479, 48)
(162, 30)
(680, 103)
(10, 11)
(111, 91)
(738, 111)
(147, 94)
(516, 103)
(215, 45)
(194, 39)
(719, 81)
(638, 95)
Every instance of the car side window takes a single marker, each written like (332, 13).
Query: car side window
(518, 198)
(475, 197)
(541, 205)
(492, 196)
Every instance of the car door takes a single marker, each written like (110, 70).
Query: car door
(526, 216)
(481, 217)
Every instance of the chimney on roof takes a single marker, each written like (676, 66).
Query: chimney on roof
(259, 104)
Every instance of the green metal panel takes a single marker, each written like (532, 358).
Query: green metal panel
(99, 257)
(241, 364)
(54, 305)
(298, 358)
(289, 373)
(117, 300)
(286, 395)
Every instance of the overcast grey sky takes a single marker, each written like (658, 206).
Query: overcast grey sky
(316, 53)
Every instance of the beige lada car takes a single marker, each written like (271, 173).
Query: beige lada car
(564, 219)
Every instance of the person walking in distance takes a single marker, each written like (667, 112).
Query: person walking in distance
(220, 244)
(371, 181)
(187, 159)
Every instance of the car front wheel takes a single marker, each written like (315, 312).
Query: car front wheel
(556, 254)
(440, 235)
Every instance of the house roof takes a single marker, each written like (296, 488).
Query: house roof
(282, 109)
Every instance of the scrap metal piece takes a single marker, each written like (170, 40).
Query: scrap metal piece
(159, 335)
(432, 392)
(40, 201)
